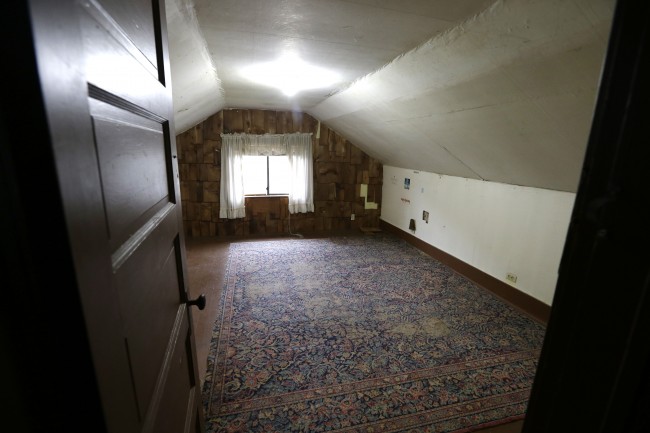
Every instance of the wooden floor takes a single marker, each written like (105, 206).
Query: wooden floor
(206, 263)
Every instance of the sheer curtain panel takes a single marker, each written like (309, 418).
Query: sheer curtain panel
(301, 195)
(231, 198)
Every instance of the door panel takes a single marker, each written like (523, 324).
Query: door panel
(149, 302)
(180, 389)
(117, 67)
(135, 17)
(133, 168)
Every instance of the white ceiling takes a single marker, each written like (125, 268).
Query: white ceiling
(495, 90)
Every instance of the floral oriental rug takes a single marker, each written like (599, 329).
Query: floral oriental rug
(362, 334)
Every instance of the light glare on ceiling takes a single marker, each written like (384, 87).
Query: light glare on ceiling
(290, 74)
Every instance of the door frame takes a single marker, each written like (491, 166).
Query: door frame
(594, 369)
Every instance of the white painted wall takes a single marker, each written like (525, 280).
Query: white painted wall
(495, 227)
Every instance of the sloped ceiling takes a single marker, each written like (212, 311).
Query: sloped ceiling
(500, 90)
(196, 88)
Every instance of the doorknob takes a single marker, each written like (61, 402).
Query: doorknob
(199, 302)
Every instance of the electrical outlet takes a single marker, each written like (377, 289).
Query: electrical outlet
(511, 277)
(352, 217)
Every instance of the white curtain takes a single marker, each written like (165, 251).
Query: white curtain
(297, 147)
(301, 195)
(264, 145)
(231, 199)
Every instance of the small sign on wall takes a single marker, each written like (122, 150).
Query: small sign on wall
(407, 183)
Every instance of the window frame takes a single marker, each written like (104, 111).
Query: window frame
(268, 180)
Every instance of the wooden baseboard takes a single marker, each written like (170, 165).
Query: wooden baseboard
(524, 302)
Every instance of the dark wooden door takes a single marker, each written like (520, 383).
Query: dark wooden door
(105, 77)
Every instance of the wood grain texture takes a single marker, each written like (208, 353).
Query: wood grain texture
(339, 169)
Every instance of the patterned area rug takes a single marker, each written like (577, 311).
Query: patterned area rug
(362, 334)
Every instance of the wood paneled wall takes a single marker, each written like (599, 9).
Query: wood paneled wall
(339, 170)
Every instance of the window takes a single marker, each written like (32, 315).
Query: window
(291, 174)
(266, 175)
